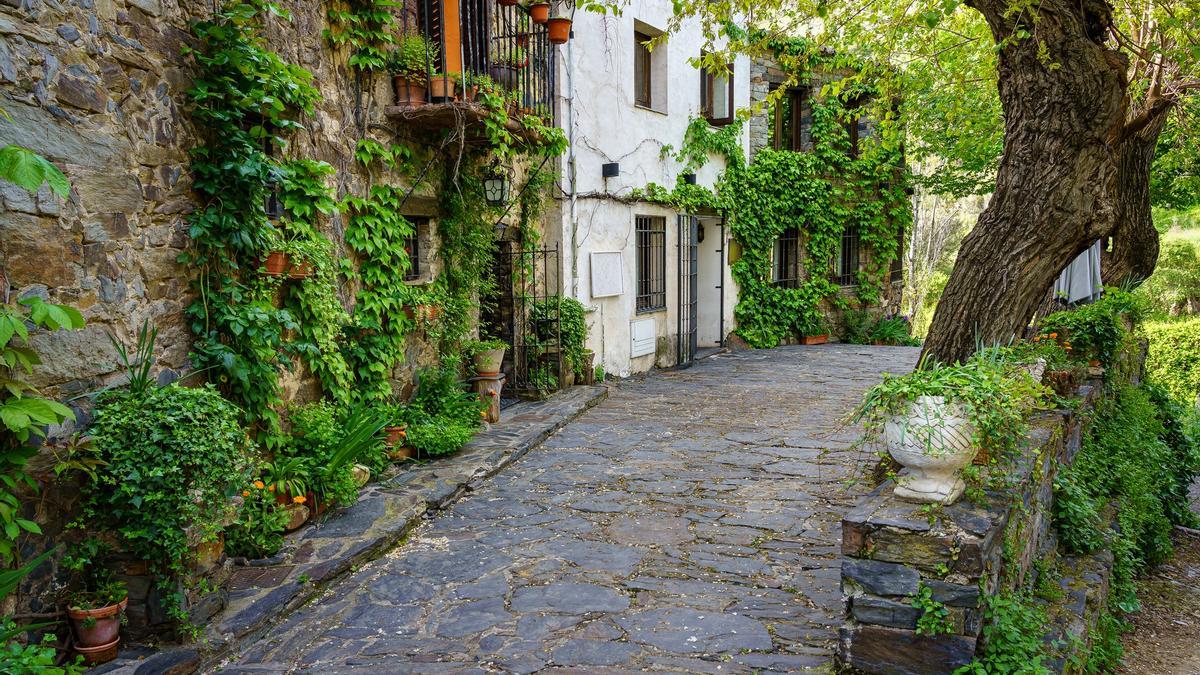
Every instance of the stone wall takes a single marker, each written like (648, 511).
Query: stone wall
(99, 87)
(963, 553)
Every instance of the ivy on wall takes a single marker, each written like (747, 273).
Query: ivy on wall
(366, 27)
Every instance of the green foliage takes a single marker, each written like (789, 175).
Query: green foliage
(857, 325)
(1175, 285)
(893, 331)
(1172, 360)
(258, 530)
(1094, 331)
(91, 584)
(327, 440)
(413, 56)
(175, 457)
(935, 617)
(1013, 628)
(29, 170)
(34, 659)
(1076, 515)
(572, 327)
(822, 193)
(365, 27)
(443, 415)
(995, 397)
(244, 98)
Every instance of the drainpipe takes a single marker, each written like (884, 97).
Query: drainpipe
(571, 169)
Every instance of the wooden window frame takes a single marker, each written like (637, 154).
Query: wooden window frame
(643, 70)
(798, 98)
(708, 81)
(651, 281)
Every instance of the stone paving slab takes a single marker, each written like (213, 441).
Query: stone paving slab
(689, 523)
(385, 512)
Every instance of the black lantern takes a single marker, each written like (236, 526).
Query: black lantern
(273, 206)
(497, 188)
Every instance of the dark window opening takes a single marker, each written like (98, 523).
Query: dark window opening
(897, 269)
(641, 69)
(787, 259)
(651, 263)
(847, 258)
(716, 94)
(792, 128)
(412, 247)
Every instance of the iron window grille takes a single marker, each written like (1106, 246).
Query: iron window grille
(641, 69)
(897, 268)
(716, 94)
(651, 263)
(848, 258)
(787, 259)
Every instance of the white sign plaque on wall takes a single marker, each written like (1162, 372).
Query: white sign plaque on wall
(608, 274)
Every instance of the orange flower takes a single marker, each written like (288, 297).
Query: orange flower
(403, 434)
(1054, 335)
(483, 413)
(259, 484)
(271, 487)
(299, 499)
(245, 493)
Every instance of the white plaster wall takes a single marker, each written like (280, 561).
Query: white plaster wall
(596, 108)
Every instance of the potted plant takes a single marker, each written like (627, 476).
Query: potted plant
(559, 29)
(409, 65)
(539, 11)
(486, 355)
(505, 65)
(819, 334)
(934, 420)
(95, 607)
(442, 88)
(275, 264)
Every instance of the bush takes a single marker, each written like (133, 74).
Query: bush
(258, 532)
(175, 458)
(331, 439)
(1172, 359)
(443, 415)
(1093, 331)
(33, 658)
(571, 324)
(1175, 285)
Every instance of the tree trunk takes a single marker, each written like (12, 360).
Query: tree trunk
(1063, 110)
(1134, 239)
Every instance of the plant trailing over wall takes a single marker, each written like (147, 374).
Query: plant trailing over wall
(245, 98)
(366, 27)
(443, 415)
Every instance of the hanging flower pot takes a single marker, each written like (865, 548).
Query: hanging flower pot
(539, 12)
(409, 92)
(276, 264)
(441, 88)
(559, 28)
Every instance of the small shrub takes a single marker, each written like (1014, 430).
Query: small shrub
(856, 326)
(1012, 638)
(258, 531)
(1172, 359)
(33, 658)
(935, 617)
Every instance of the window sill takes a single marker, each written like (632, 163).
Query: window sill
(650, 310)
(639, 106)
(422, 280)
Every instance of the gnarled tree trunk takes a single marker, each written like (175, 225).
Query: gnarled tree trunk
(1134, 239)
(1064, 109)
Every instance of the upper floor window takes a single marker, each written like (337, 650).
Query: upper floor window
(792, 123)
(649, 68)
(716, 94)
(858, 125)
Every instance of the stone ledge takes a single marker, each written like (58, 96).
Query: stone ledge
(261, 595)
(960, 552)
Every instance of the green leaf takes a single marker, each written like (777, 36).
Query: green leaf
(30, 170)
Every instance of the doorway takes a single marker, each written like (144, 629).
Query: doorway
(710, 281)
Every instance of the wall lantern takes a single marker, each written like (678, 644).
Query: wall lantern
(273, 205)
(497, 188)
(611, 169)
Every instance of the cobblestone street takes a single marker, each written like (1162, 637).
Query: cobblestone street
(690, 523)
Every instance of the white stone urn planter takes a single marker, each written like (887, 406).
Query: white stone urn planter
(933, 441)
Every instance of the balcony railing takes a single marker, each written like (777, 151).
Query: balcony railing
(478, 43)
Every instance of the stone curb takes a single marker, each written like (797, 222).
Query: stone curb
(316, 556)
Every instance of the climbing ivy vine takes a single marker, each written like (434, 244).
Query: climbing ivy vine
(366, 27)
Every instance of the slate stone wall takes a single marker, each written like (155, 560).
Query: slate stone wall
(963, 553)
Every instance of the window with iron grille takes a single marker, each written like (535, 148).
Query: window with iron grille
(651, 263)
(716, 94)
(787, 259)
(792, 124)
(897, 271)
(847, 258)
(641, 69)
(412, 246)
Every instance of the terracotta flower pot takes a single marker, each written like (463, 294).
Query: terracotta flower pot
(303, 270)
(814, 339)
(94, 656)
(408, 93)
(395, 435)
(539, 12)
(276, 264)
(559, 28)
(506, 3)
(401, 453)
(104, 628)
(441, 89)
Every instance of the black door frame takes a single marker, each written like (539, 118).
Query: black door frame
(688, 252)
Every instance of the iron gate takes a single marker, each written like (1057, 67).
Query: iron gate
(688, 252)
(523, 311)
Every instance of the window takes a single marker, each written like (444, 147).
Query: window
(792, 129)
(414, 249)
(643, 72)
(858, 127)
(651, 263)
(716, 94)
(787, 259)
(847, 258)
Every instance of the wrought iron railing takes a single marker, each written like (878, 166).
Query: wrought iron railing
(478, 42)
